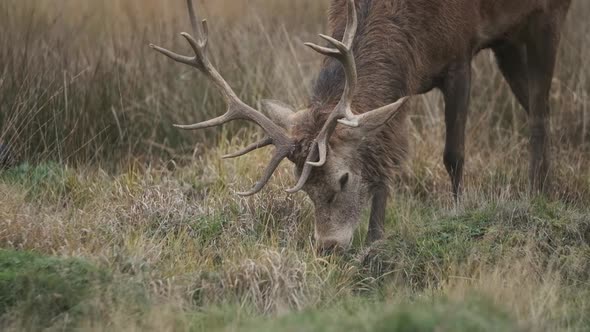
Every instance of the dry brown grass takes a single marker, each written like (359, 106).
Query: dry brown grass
(79, 83)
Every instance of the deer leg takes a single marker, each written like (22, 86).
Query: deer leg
(542, 44)
(512, 61)
(456, 89)
(377, 219)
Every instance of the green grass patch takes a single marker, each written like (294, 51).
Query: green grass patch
(556, 234)
(44, 181)
(42, 288)
(431, 313)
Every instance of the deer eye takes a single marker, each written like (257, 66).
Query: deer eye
(344, 181)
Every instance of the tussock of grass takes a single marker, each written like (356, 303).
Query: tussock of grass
(435, 313)
(46, 181)
(551, 234)
(35, 290)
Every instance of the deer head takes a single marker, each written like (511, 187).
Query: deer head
(326, 160)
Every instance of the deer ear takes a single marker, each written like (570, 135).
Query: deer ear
(278, 112)
(372, 120)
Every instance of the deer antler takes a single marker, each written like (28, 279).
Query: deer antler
(236, 108)
(342, 52)
(343, 114)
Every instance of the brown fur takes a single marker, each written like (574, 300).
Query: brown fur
(407, 47)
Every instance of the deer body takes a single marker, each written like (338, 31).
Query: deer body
(348, 142)
(407, 47)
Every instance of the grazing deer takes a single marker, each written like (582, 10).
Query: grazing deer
(347, 143)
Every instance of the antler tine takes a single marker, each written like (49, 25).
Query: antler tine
(254, 146)
(236, 108)
(351, 24)
(192, 13)
(306, 172)
(342, 52)
(268, 172)
(323, 50)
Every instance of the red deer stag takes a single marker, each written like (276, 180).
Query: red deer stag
(348, 142)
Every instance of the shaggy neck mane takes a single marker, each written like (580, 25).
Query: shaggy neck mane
(382, 50)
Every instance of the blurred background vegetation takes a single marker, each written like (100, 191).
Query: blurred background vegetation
(79, 85)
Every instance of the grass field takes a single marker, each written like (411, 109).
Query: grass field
(115, 221)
